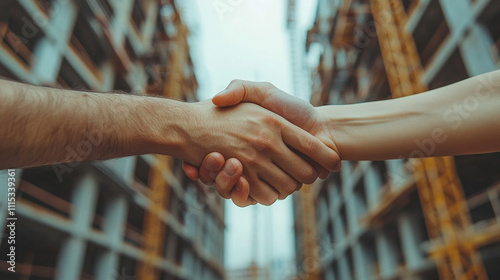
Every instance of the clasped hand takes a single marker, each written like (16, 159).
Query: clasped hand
(272, 148)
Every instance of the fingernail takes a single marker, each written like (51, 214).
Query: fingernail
(222, 92)
(230, 169)
(211, 163)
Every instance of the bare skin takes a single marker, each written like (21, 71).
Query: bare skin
(42, 126)
(460, 119)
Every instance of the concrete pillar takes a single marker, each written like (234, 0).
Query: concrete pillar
(50, 51)
(346, 175)
(457, 13)
(362, 265)
(149, 26)
(329, 275)
(188, 264)
(115, 217)
(120, 25)
(373, 184)
(344, 271)
(476, 51)
(322, 207)
(352, 207)
(334, 195)
(411, 238)
(71, 257)
(123, 168)
(338, 227)
(386, 250)
(397, 172)
(416, 15)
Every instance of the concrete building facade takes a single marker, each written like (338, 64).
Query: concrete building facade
(129, 218)
(374, 220)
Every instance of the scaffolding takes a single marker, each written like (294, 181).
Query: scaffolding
(417, 219)
(128, 218)
(441, 194)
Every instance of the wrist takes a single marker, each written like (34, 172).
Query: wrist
(372, 130)
(165, 127)
(332, 119)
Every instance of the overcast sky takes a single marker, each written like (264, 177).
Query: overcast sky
(248, 41)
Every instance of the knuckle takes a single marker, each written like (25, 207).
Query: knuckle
(241, 204)
(308, 175)
(223, 187)
(251, 158)
(310, 144)
(272, 120)
(270, 199)
(290, 188)
(272, 124)
(333, 162)
(324, 174)
(263, 142)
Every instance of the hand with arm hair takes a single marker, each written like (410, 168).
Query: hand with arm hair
(41, 126)
(460, 119)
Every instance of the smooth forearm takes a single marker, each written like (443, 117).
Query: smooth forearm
(41, 126)
(459, 119)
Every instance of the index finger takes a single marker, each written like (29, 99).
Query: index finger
(310, 146)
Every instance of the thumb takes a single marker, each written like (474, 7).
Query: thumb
(231, 96)
(292, 108)
(241, 91)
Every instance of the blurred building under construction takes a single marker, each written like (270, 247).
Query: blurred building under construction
(129, 218)
(434, 218)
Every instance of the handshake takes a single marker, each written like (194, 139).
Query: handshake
(255, 142)
(280, 142)
(287, 144)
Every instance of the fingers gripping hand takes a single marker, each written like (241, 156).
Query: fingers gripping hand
(230, 182)
(226, 176)
(294, 110)
(212, 164)
(236, 185)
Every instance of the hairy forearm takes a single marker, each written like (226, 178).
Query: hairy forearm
(463, 118)
(41, 126)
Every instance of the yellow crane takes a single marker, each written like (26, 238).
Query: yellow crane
(154, 227)
(311, 258)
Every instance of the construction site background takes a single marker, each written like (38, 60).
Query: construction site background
(129, 218)
(434, 218)
(141, 218)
